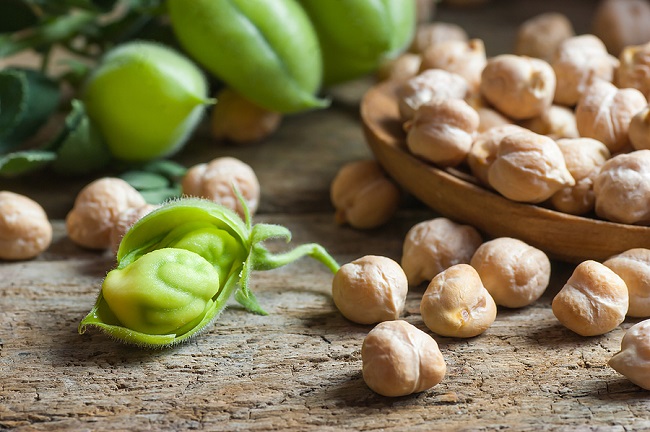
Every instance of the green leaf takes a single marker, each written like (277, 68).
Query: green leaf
(104, 5)
(16, 15)
(143, 180)
(37, 101)
(13, 90)
(9, 45)
(155, 187)
(64, 25)
(17, 163)
(81, 150)
(165, 167)
(162, 195)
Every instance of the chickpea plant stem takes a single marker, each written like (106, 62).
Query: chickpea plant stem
(178, 266)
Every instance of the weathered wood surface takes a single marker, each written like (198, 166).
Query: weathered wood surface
(299, 368)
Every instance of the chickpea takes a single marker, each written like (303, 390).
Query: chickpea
(621, 186)
(584, 157)
(399, 359)
(594, 300)
(429, 34)
(456, 304)
(633, 70)
(541, 35)
(556, 122)
(604, 113)
(435, 245)
(484, 150)
(528, 168)
(620, 23)
(401, 68)
(519, 87)
(216, 179)
(239, 120)
(633, 266)
(639, 129)
(514, 273)
(370, 289)
(577, 61)
(490, 118)
(96, 209)
(465, 58)
(633, 360)
(363, 195)
(442, 132)
(429, 86)
(25, 230)
(125, 220)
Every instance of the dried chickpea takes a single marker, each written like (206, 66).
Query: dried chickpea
(456, 304)
(401, 68)
(442, 132)
(528, 168)
(514, 273)
(125, 220)
(215, 181)
(517, 86)
(484, 150)
(429, 34)
(633, 360)
(435, 245)
(583, 157)
(639, 129)
(235, 118)
(25, 230)
(620, 23)
(363, 196)
(577, 61)
(540, 35)
(96, 209)
(621, 188)
(604, 113)
(634, 68)
(370, 289)
(490, 118)
(399, 359)
(429, 86)
(556, 122)
(594, 300)
(465, 58)
(633, 266)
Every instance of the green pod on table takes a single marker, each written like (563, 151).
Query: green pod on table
(357, 35)
(178, 266)
(267, 51)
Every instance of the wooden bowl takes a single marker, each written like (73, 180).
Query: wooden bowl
(562, 236)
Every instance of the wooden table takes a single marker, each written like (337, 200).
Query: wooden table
(299, 368)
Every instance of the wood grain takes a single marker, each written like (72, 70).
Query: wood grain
(299, 368)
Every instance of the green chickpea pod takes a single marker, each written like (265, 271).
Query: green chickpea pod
(145, 99)
(178, 266)
(267, 51)
(357, 35)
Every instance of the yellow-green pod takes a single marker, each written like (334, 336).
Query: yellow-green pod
(178, 266)
(266, 50)
(357, 35)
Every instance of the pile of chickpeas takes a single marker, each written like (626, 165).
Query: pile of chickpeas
(563, 121)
